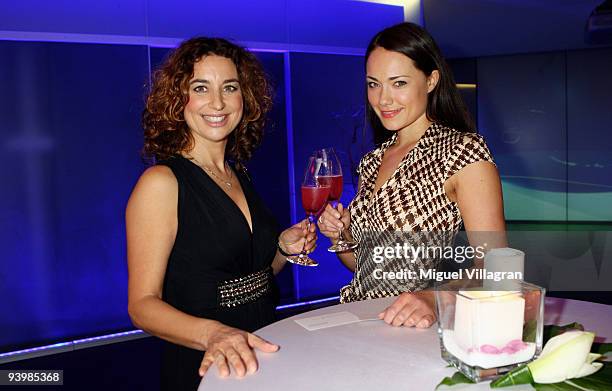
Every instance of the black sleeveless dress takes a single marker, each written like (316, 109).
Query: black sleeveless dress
(214, 248)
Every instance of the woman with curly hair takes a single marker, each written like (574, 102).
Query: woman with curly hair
(202, 247)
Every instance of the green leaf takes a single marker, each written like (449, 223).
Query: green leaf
(553, 387)
(457, 378)
(601, 348)
(552, 330)
(599, 381)
(520, 375)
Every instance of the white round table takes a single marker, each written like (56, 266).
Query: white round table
(372, 355)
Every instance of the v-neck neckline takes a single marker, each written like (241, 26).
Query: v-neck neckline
(374, 193)
(250, 227)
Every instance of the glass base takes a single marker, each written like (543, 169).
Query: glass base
(342, 246)
(476, 373)
(302, 260)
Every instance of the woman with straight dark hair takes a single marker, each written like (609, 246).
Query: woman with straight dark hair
(431, 173)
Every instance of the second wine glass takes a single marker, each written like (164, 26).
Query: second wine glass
(314, 198)
(331, 174)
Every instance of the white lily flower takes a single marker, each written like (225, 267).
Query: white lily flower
(565, 356)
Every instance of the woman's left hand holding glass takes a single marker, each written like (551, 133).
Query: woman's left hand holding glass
(413, 309)
(297, 238)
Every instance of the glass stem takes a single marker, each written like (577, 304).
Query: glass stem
(340, 230)
(310, 217)
(340, 235)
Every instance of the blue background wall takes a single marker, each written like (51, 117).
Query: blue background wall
(69, 156)
(73, 78)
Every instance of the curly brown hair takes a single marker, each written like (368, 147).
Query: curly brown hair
(165, 131)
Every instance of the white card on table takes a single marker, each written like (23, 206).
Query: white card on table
(327, 320)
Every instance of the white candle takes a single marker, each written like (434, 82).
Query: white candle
(488, 329)
(488, 318)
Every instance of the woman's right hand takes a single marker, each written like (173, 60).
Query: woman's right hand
(333, 220)
(227, 346)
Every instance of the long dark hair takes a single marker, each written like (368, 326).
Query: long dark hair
(444, 103)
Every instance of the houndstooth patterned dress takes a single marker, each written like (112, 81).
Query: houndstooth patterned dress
(411, 204)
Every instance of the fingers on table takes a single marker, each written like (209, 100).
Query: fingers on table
(217, 358)
(221, 364)
(261, 344)
(235, 359)
(249, 358)
(409, 311)
(240, 356)
(426, 321)
(402, 317)
(389, 314)
(207, 361)
(236, 355)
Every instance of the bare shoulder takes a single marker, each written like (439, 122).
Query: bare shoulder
(157, 185)
(158, 176)
(478, 172)
(151, 227)
(157, 179)
(475, 176)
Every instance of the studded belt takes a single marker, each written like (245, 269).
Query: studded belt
(246, 289)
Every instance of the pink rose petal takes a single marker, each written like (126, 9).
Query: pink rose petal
(489, 349)
(510, 348)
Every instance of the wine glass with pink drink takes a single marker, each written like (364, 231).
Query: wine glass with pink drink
(331, 174)
(314, 199)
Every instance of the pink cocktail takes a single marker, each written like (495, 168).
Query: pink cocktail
(335, 184)
(314, 198)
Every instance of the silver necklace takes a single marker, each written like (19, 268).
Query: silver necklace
(226, 182)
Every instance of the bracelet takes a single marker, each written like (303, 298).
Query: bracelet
(281, 251)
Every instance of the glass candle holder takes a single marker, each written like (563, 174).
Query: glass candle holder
(486, 333)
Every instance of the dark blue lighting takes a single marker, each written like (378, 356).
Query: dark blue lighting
(291, 161)
(64, 226)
